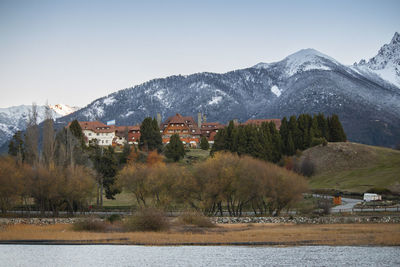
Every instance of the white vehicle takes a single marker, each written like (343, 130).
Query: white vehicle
(371, 197)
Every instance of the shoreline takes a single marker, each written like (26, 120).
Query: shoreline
(355, 234)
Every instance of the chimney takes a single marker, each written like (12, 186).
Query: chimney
(159, 119)
(204, 118)
(199, 120)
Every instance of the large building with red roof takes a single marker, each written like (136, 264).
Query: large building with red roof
(95, 130)
(185, 126)
(189, 131)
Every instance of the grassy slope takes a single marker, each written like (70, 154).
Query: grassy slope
(354, 167)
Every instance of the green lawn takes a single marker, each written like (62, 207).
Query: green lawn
(123, 199)
(366, 167)
(195, 155)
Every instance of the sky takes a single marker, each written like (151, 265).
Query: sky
(73, 52)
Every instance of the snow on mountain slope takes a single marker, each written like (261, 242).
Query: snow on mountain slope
(386, 64)
(61, 110)
(304, 82)
(301, 61)
(14, 119)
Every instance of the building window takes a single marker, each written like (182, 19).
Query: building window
(90, 134)
(98, 134)
(102, 141)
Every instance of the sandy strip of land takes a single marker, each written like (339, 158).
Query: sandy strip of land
(238, 234)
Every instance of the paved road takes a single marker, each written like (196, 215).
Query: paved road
(347, 204)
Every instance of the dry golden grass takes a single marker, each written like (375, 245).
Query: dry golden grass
(327, 234)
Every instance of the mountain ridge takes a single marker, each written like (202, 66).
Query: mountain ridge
(14, 118)
(307, 81)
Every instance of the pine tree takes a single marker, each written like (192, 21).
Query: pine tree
(219, 141)
(229, 136)
(291, 150)
(175, 149)
(76, 130)
(241, 141)
(323, 126)
(150, 136)
(16, 147)
(157, 137)
(276, 143)
(336, 131)
(204, 143)
(284, 132)
(295, 134)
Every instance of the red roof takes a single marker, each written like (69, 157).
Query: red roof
(178, 118)
(95, 126)
(132, 130)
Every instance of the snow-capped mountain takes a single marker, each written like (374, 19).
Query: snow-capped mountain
(305, 82)
(385, 65)
(301, 61)
(14, 119)
(61, 110)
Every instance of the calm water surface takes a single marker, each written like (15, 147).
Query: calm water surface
(106, 255)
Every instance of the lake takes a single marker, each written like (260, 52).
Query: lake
(117, 255)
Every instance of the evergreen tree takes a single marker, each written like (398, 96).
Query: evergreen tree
(336, 132)
(150, 136)
(16, 147)
(241, 141)
(157, 136)
(219, 141)
(175, 149)
(123, 156)
(204, 143)
(284, 133)
(323, 126)
(315, 130)
(106, 165)
(229, 136)
(276, 142)
(291, 150)
(295, 134)
(76, 131)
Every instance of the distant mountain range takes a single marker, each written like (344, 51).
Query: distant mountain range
(14, 119)
(366, 95)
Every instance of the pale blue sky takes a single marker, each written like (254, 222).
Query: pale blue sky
(73, 52)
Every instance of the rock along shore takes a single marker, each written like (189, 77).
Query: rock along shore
(232, 220)
(308, 220)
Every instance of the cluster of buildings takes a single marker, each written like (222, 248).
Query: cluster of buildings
(189, 131)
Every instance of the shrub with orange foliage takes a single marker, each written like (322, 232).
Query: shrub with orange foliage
(223, 182)
(11, 182)
(154, 158)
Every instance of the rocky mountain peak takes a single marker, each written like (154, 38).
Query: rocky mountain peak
(396, 39)
(386, 64)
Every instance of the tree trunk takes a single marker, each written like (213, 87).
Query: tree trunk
(101, 192)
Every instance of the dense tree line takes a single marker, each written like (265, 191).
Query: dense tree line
(65, 174)
(267, 143)
(222, 182)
